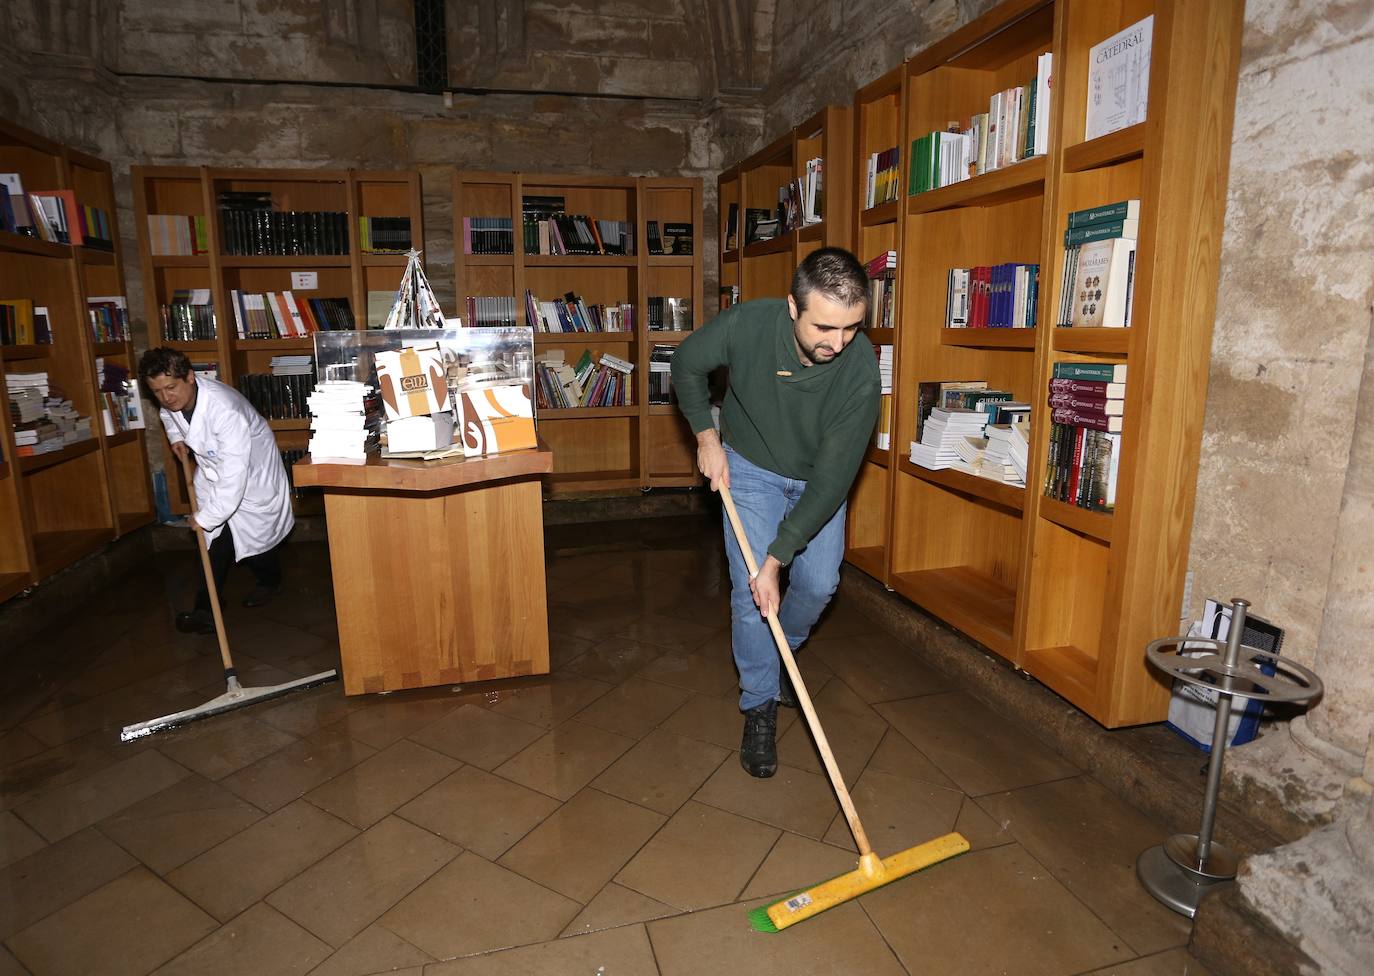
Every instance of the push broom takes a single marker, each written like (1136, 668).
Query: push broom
(236, 696)
(872, 871)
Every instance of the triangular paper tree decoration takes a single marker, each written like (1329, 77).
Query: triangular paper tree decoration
(416, 307)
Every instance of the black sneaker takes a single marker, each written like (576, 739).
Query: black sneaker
(196, 622)
(787, 695)
(260, 596)
(758, 751)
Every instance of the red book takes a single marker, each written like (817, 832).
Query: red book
(1078, 418)
(1076, 468)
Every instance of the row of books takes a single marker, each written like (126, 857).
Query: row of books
(578, 234)
(882, 287)
(189, 316)
(676, 238)
(278, 397)
(384, 235)
(492, 311)
(999, 296)
(882, 434)
(560, 385)
(1098, 286)
(1087, 402)
(251, 227)
(1001, 406)
(488, 235)
(802, 201)
(668, 314)
(178, 234)
(109, 316)
(729, 295)
(22, 323)
(884, 182)
(273, 315)
(572, 314)
(661, 375)
(121, 405)
(55, 216)
(1015, 127)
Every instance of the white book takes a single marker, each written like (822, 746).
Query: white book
(996, 123)
(1119, 80)
(1043, 70)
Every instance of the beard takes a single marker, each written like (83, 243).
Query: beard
(817, 354)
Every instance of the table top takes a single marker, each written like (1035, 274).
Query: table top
(405, 474)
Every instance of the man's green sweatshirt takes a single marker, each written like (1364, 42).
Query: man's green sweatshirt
(811, 423)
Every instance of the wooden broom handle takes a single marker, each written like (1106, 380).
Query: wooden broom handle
(189, 472)
(803, 696)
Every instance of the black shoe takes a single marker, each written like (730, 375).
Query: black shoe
(758, 751)
(787, 695)
(196, 622)
(260, 596)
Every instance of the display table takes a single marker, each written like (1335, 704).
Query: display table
(438, 568)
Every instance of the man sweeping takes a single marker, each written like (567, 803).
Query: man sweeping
(240, 483)
(800, 410)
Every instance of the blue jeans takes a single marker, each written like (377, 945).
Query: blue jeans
(763, 500)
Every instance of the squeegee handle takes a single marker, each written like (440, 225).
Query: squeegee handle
(189, 472)
(803, 696)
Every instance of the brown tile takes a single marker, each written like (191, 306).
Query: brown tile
(377, 786)
(591, 620)
(839, 697)
(9, 966)
(841, 940)
(473, 905)
(478, 736)
(844, 619)
(17, 840)
(41, 883)
(674, 633)
(260, 942)
(662, 771)
(582, 845)
(634, 708)
(373, 950)
(613, 907)
(792, 799)
(896, 755)
(701, 857)
(709, 671)
(565, 760)
(231, 876)
(290, 773)
(109, 712)
(795, 863)
(1172, 962)
(17, 745)
(717, 720)
(1090, 840)
(878, 666)
(853, 738)
(979, 829)
(310, 710)
(347, 891)
(218, 746)
(622, 952)
(565, 650)
(550, 700)
(387, 719)
(64, 810)
(956, 898)
(897, 813)
(128, 927)
(168, 829)
(614, 659)
(479, 811)
(252, 674)
(977, 748)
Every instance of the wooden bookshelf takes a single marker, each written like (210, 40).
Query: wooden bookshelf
(57, 507)
(1069, 595)
(598, 449)
(193, 191)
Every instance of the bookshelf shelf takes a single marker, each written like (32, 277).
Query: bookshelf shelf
(876, 456)
(32, 465)
(180, 261)
(883, 213)
(810, 233)
(663, 410)
(1066, 669)
(289, 423)
(57, 549)
(989, 338)
(292, 261)
(782, 244)
(1107, 342)
(868, 558)
(122, 437)
(12, 584)
(880, 337)
(1008, 496)
(384, 260)
(194, 345)
(1115, 147)
(1014, 182)
(15, 353)
(606, 449)
(111, 348)
(19, 244)
(667, 338)
(730, 256)
(96, 256)
(979, 605)
(275, 345)
(1098, 525)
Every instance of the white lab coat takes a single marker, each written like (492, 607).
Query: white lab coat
(240, 479)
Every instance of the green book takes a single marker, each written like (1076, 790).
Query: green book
(1122, 210)
(1098, 372)
(1104, 231)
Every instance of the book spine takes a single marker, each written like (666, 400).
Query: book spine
(1097, 372)
(1112, 212)
(1101, 231)
(1078, 418)
(1093, 405)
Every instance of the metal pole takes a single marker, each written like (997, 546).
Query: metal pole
(1209, 799)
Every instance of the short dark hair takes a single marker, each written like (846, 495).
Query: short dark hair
(835, 273)
(163, 361)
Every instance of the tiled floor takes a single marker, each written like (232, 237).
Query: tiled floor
(592, 822)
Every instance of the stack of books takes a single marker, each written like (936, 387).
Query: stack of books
(999, 296)
(1099, 266)
(339, 421)
(661, 375)
(1005, 453)
(882, 274)
(943, 434)
(1087, 402)
(492, 311)
(44, 421)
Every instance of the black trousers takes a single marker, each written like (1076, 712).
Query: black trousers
(265, 566)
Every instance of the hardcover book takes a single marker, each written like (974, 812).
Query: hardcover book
(1119, 80)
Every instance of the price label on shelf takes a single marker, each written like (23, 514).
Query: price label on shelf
(305, 280)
